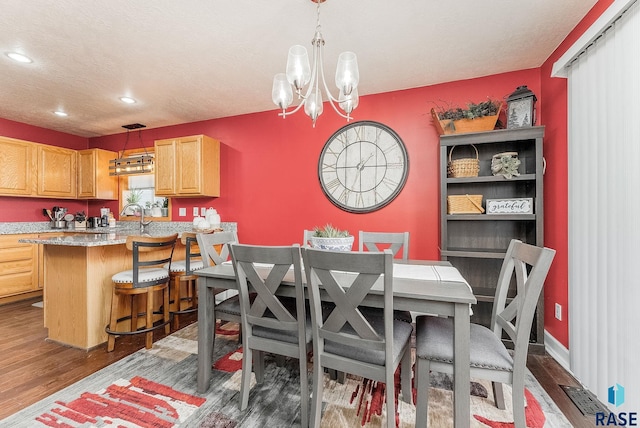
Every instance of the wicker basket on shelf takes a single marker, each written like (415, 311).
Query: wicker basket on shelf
(463, 167)
(464, 204)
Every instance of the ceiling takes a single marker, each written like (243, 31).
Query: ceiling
(192, 60)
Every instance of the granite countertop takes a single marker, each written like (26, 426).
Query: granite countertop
(80, 239)
(97, 236)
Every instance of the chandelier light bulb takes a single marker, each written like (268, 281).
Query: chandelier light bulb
(348, 103)
(281, 94)
(347, 75)
(298, 68)
(313, 105)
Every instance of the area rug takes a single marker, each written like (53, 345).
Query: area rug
(157, 388)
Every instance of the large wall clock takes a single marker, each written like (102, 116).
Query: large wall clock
(363, 166)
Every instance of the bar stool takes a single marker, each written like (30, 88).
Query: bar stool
(147, 276)
(181, 271)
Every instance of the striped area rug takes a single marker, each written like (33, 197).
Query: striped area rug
(157, 388)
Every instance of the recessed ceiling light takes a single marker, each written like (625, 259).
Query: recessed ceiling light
(60, 113)
(127, 100)
(19, 57)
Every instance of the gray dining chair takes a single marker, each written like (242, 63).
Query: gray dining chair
(306, 238)
(394, 241)
(215, 250)
(271, 323)
(376, 241)
(344, 338)
(525, 266)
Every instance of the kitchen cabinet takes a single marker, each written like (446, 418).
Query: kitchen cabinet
(94, 181)
(187, 166)
(17, 175)
(476, 243)
(20, 266)
(56, 172)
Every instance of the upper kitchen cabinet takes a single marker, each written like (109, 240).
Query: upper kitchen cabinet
(56, 172)
(18, 167)
(94, 181)
(187, 166)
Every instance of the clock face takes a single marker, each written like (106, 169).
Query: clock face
(363, 167)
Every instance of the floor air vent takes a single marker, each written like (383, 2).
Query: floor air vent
(584, 400)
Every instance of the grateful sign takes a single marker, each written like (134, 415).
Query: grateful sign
(510, 206)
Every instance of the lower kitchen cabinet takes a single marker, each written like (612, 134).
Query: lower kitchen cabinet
(20, 267)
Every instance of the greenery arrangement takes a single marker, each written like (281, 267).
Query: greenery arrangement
(485, 108)
(328, 231)
(134, 196)
(474, 118)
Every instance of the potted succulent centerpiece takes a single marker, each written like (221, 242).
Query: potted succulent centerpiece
(331, 238)
(475, 117)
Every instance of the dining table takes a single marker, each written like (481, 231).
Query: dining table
(420, 286)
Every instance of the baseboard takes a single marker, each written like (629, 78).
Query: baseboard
(557, 350)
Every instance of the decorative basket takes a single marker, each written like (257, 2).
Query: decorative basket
(460, 126)
(464, 167)
(464, 204)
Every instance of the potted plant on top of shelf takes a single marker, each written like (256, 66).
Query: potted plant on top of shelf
(331, 238)
(475, 117)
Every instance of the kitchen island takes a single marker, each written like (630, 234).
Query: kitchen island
(77, 281)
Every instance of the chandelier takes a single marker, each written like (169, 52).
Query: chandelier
(137, 164)
(300, 73)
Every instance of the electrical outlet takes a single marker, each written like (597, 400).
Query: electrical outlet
(182, 212)
(203, 211)
(558, 311)
(195, 211)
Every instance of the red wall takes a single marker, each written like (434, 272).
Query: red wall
(554, 93)
(269, 165)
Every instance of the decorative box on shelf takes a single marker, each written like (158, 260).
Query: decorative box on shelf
(510, 206)
(464, 204)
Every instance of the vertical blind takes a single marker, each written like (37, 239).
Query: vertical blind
(604, 212)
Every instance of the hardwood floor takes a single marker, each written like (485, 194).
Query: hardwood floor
(32, 368)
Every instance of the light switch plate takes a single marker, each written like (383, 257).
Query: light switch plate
(182, 212)
(195, 211)
(203, 211)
